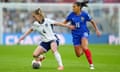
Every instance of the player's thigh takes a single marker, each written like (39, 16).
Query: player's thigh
(53, 46)
(39, 50)
(84, 43)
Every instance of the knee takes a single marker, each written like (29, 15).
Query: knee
(53, 49)
(84, 47)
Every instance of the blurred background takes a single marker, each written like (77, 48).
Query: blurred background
(15, 19)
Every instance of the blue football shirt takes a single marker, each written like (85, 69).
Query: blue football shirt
(79, 21)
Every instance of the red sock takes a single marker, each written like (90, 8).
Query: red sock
(88, 56)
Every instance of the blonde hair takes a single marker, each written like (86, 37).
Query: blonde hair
(39, 12)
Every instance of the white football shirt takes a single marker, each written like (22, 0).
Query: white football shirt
(45, 29)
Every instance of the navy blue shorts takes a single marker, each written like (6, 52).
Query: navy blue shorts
(46, 45)
(77, 38)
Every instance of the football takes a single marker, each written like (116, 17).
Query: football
(36, 64)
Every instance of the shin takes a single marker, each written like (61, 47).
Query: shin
(78, 50)
(56, 53)
(38, 51)
(86, 50)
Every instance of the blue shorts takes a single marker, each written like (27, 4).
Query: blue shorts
(77, 38)
(46, 45)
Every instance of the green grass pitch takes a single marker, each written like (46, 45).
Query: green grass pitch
(15, 58)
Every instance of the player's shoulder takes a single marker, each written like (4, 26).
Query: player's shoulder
(35, 23)
(48, 19)
(84, 12)
(71, 13)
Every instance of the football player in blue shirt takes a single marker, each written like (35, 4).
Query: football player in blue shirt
(78, 19)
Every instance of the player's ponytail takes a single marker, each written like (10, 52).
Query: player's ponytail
(39, 12)
(82, 4)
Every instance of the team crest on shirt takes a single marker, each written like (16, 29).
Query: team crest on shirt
(82, 18)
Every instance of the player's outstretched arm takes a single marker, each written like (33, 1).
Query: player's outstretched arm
(65, 25)
(24, 35)
(95, 27)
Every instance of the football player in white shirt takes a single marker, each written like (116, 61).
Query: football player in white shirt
(49, 39)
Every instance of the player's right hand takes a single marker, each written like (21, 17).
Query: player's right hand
(71, 27)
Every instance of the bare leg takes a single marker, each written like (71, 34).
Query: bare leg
(84, 43)
(78, 50)
(57, 55)
(39, 50)
(87, 52)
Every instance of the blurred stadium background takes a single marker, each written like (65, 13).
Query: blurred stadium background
(15, 19)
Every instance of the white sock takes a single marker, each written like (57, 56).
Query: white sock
(58, 58)
(91, 65)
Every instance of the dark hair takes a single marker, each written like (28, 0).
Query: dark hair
(82, 4)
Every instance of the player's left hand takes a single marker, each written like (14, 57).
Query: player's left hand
(98, 33)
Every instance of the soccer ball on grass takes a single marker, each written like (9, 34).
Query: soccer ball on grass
(36, 64)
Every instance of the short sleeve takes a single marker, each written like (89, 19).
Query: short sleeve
(68, 18)
(34, 25)
(51, 21)
(88, 17)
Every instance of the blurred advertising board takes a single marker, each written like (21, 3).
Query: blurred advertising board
(10, 39)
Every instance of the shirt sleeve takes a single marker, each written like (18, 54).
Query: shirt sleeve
(51, 21)
(33, 25)
(88, 17)
(68, 18)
